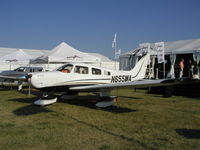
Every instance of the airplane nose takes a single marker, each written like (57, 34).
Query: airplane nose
(38, 80)
(45, 79)
(33, 80)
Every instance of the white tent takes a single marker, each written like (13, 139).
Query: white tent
(65, 53)
(172, 49)
(102, 57)
(16, 57)
(34, 53)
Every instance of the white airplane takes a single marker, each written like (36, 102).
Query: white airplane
(76, 77)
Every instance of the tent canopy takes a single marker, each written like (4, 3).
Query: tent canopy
(65, 53)
(182, 46)
(102, 57)
(17, 57)
(174, 47)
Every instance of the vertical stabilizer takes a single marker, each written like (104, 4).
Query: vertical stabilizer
(139, 71)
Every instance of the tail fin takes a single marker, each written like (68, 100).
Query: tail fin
(139, 71)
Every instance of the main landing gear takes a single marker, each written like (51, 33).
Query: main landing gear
(46, 100)
(100, 101)
(106, 101)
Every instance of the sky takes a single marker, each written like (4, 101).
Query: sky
(90, 25)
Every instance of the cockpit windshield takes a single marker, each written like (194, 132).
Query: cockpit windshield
(66, 68)
(20, 69)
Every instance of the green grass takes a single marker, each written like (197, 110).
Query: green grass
(137, 121)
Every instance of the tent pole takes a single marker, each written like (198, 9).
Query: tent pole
(164, 70)
(48, 63)
(156, 73)
(10, 65)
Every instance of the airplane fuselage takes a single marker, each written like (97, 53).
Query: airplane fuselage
(76, 74)
(60, 79)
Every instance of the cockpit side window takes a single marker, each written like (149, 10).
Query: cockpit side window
(66, 68)
(96, 71)
(81, 69)
(21, 69)
(31, 70)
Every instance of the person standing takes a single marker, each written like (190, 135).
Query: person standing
(181, 66)
(191, 69)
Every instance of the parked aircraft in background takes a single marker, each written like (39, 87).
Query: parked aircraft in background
(15, 77)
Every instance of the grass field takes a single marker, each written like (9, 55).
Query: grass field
(137, 121)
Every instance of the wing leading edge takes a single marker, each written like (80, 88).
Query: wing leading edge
(23, 77)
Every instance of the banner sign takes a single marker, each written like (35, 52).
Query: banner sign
(160, 51)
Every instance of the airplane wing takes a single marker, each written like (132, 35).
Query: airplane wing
(134, 84)
(23, 77)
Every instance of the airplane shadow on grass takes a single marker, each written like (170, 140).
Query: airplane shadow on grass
(189, 133)
(30, 109)
(79, 101)
(83, 101)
